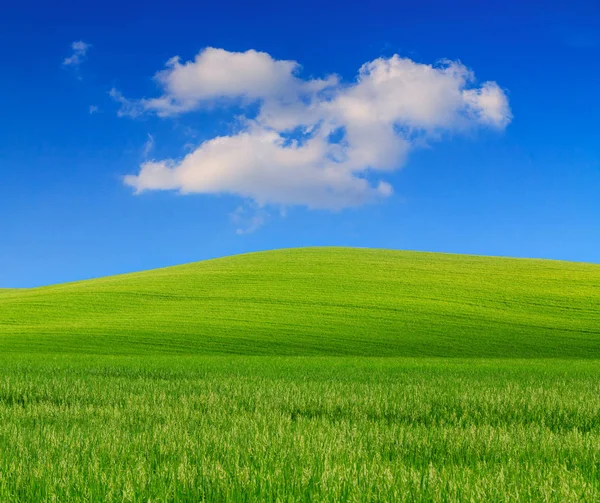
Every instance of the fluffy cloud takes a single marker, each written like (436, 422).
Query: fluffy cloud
(217, 74)
(320, 143)
(258, 164)
(79, 51)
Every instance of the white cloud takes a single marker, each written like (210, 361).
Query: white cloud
(320, 143)
(94, 109)
(258, 165)
(215, 74)
(79, 51)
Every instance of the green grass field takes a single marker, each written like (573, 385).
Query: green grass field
(306, 375)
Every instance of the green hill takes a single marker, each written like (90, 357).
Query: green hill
(319, 301)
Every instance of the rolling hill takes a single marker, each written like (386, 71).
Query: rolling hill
(319, 301)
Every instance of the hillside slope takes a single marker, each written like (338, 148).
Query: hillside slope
(319, 301)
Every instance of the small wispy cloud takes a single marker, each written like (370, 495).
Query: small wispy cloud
(79, 50)
(129, 108)
(249, 218)
(94, 109)
(148, 146)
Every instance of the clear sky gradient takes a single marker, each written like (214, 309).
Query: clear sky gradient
(530, 188)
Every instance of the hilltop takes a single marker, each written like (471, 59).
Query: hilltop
(319, 301)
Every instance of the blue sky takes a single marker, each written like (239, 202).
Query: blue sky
(511, 168)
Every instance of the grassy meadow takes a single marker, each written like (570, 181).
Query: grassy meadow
(306, 375)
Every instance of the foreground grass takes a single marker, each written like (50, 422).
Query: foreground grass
(320, 301)
(156, 429)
